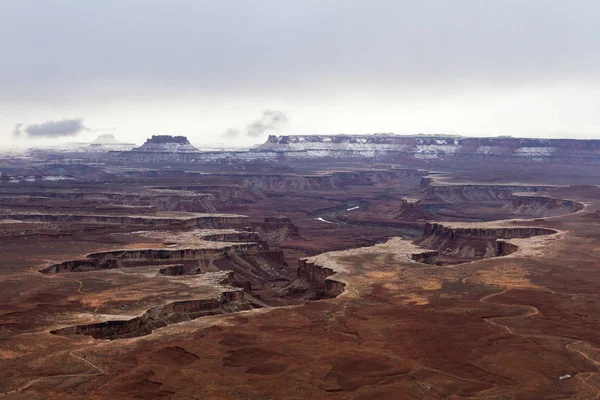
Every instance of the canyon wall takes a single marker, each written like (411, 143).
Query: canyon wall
(83, 265)
(160, 316)
(120, 258)
(470, 242)
(541, 206)
(465, 193)
(208, 221)
(177, 254)
(333, 181)
(319, 277)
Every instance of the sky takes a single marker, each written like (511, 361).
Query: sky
(231, 72)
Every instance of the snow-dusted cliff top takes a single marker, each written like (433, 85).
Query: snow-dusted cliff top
(167, 144)
(433, 146)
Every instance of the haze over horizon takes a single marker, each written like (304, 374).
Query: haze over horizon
(232, 72)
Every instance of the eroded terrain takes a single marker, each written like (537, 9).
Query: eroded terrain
(336, 280)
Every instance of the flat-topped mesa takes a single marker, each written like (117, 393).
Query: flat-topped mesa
(438, 148)
(492, 145)
(167, 144)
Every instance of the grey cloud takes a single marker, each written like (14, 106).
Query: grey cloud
(270, 120)
(231, 133)
(50, 129)
(334, 64)
(17, 131)
(245, 46)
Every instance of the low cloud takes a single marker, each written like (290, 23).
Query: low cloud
(51, 129)
(17, 131)
(231, 133)
(270, 120)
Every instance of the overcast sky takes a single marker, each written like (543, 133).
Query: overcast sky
(214, 70)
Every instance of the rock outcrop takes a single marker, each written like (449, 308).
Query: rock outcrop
(541, 206)
(465, 193)
(84, 265)
(275, 230)
(318, 276)
(333, 181)
(470, 242)
(133, 257)
(160, 316)
(177, 253)
(166, 144)
(193, 220)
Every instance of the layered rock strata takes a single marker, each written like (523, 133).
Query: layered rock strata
(160, 316)
(473, 241)
(193, 220)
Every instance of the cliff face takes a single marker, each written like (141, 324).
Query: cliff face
(208, 221)
(541, 206)
(176, 254)
(120, 258)
(160, 316)
(479, 193)
(334, 181)
(319, 277)
(83, 265)
(275, 230)
(474, 243)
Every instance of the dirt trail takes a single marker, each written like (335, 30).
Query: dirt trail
(99, 372)
(568, 346)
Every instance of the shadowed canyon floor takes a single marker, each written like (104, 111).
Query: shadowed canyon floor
(358, 281)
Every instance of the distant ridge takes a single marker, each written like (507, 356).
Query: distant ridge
(410, 150)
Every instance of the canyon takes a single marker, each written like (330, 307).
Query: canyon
(318, 266)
